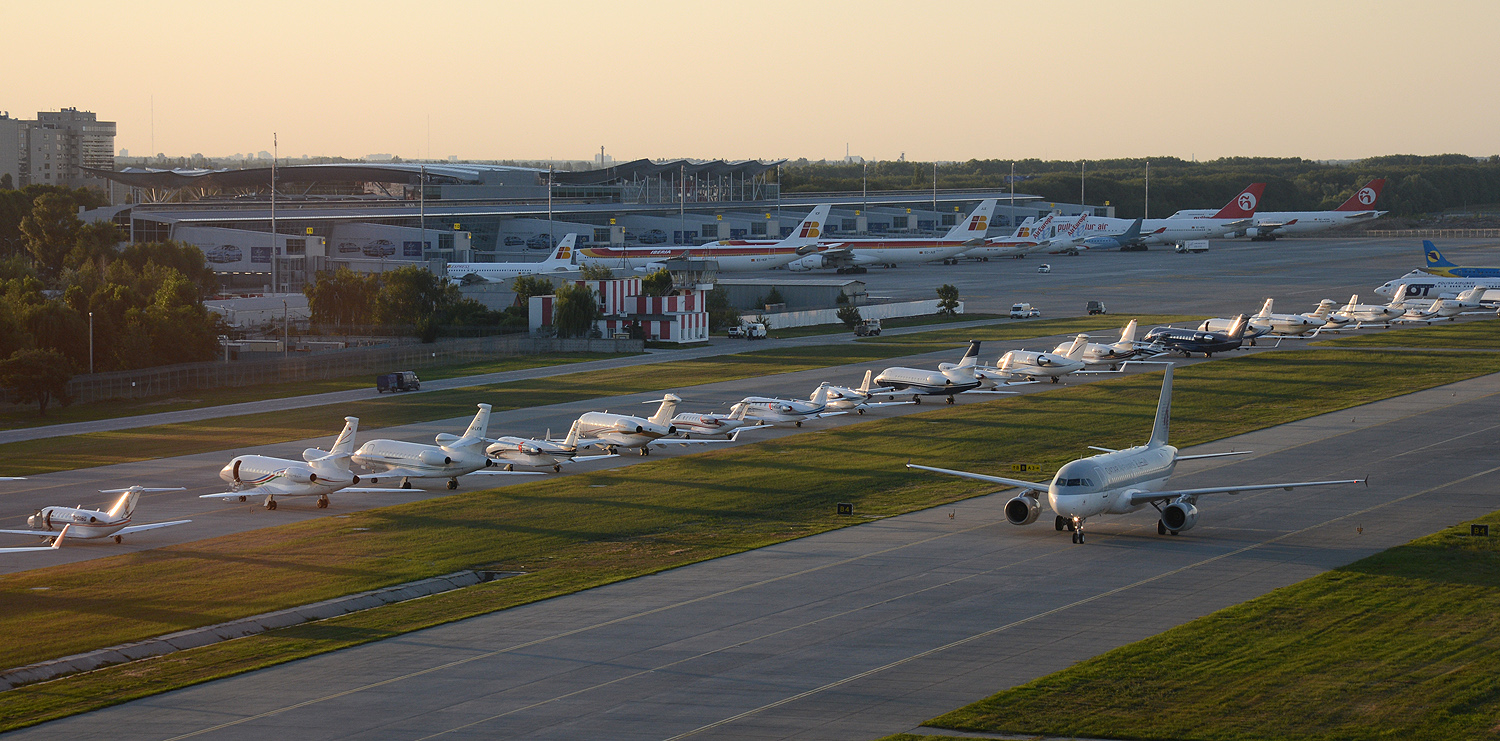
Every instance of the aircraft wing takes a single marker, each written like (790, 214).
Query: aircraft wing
(1210, 455)
(982, 477)
(821, 415)
(255, 491)
(23, 478)
(878, 404)
(56, 543)
(38, 533)
(1157, 496)
(665, 441)
(587, 458)
(151, 526)
(488, 472)
(367, 490)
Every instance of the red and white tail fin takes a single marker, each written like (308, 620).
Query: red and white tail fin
(1036, 231)
(1243, 205)
(811, 227)
(1364, 198)
(976, 225)
(563, 255)
(1076, 228)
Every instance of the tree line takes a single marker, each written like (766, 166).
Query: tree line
(1414, 184)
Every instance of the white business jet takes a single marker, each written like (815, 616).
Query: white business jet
(1099, 355)
(614, 431)
(797, 411)
(857, 400)
(1381, 314)
(711, 425)
(1032, 366)
(1467, 302)
(318, 474)
(1118, 482)
(947, 380)
(1286, 325)
(75, 523)
(451, 457)
(543, 453)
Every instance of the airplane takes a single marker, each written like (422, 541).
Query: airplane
(1362, 314)
(451, 457)
(541, 453)
(1189, 341)
(1424, 287)
(318, 474)
(1287, 325)
(614, 431)
(1067, 239)
(732, 255)
(1034, 365)
(90, 524)
(947, 380)
(1441, 267)
(770, 409)
(1446, 308)
(1234, 215)
(1096, 354)
(857, 400)
(560, 261)
(855, 255)
(1130, 238)
(1268, 225)
(711, 425)
(1021, 242)
(1118, 482)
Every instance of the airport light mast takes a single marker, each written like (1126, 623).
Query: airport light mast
(274, 152)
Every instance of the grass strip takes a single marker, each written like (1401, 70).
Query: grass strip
(16, 416)
(47, 455)
(1483, 334)
(585, 530)
(1404, 644)
(908, 321)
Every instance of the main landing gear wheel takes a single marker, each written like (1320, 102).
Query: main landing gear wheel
(452, 483)
(950, 400)
(1055, 379)
(1060, 523)
(510, 467)
(271, 504)
(405, 483)
(916, 399)
(323, 502)
(242, 499)
(799, 423)
(611, 450)
(557, 468)
(119, 539)
(859, 411)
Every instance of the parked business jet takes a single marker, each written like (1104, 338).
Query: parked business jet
(855, 255)
(1189, 341)
(1287, 325)
(1097, 355)
(451, 457)
(947, 380)
(1268, 225)
(1362, 314)
(711, 425)
(541, 453)
(1467, 302)
(1118, 482)
(732, 255)
(560, 261)
(1033, 366)
(318, 474)
(797, 411)
(77, 523)
(857, 400)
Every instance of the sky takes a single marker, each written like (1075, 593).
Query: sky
(994, 79)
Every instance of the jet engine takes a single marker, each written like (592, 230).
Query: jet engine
(299, 476)
(1022, 510)
(433, 458)
(1177, 516)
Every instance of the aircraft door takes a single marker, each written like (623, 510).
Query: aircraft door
(236, 473)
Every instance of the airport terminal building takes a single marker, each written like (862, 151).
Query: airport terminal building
(373, 217)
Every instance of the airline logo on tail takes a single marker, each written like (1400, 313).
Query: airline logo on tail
(979, 223)
(1244, 204)
(809, 230)
(1365, 197)
(1247, 201)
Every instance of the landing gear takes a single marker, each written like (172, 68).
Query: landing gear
(1076, 525)
(950, 400)
(1055, 379)
(859, 411)
(916, 399)
(270, 503)
(510, 466)
(799, 423)
(452, 484)
(242, 498)
(612, 450)
(1060, 523)
(119, 539)
(405, 483)
(557, 468)
(645, 450)
(323, 502)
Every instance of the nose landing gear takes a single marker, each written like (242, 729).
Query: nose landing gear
(1076, 525)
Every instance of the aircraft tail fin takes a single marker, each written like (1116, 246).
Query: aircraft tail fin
(1075, 351)
(1076, 229)
(1265, 309)
(820, 397)
(1133, 232)
(1037, 231)
(1163, 425)
(563, 255)
(1398, 296)
(571, 441)
(811, 227)
(1364, 198)
(1243, 205)
(1473, 295)
(667, 409)
(1435, 259)
(345, 442)
(1325, 307)
(1237, 328)
(1128, 333)
(1353, 302)
(739, 411)
(480, 427)
(977, 225)
(125, 505)
(869, 382)
(971, 357)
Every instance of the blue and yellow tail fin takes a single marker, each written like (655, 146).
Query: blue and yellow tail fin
(1435, 259)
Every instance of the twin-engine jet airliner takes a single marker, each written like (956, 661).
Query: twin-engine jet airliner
(732, 255)
(560, 261)
(856, 255)
(1118, 482)
(73, 523)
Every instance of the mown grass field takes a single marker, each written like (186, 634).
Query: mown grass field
(1470, 335)
(1404, 645)
(186, 438)
(15, 416)
(585, 530)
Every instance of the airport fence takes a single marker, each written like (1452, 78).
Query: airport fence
(1437, 233)
(300, 367)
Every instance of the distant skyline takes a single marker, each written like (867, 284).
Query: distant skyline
(1080, 79)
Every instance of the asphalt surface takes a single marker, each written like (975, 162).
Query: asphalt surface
(1232, 277)
(872, 629)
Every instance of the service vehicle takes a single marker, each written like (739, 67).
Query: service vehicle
(1024, 311)
(748, 331)
(1044, 268)
(1097, 307)
(398, 381)
(1193, 246)
(867, 328)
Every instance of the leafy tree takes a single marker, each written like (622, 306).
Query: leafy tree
(720, 314)
(849, 315)
(947, 300)
(185, 258)
(6, 183)
(95, 242)
(595, 271)
(342, 298)
(410, 294)
(527, 286)
(658, 283)
(774, 297)
(37, 376)
(575, 310)
(50, 232)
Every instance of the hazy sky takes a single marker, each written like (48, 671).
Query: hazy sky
(947, 81)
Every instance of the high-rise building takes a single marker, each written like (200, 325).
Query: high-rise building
(53, 149)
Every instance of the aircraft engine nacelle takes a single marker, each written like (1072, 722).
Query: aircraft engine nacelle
(624, 426)
(1251, 232)
(1179, 516)
(433, 458)
(299, 476)
(1022, 510)
(811, 262)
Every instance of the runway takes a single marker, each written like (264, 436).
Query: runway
(872, 629)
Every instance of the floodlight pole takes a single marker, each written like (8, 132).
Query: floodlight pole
(1147, 214)
(1082, 168)
(285, 346)
(91, 342)
(1013, 193)
(274, 152)
(682, 203)
(421, 205)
